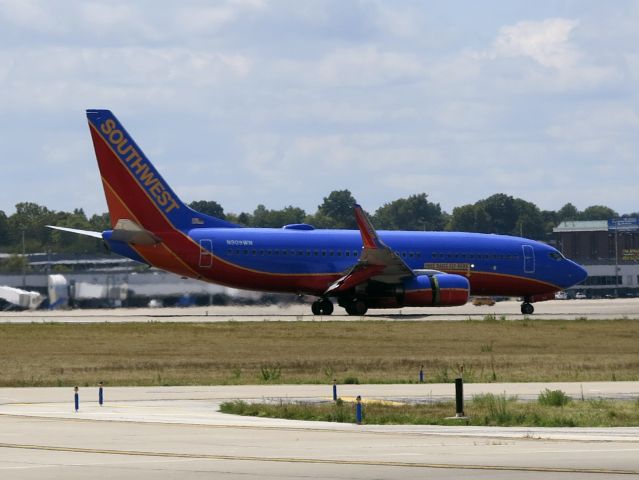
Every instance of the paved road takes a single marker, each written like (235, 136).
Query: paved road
(562, 309)
(173, 432)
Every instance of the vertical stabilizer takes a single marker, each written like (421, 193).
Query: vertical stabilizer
(134, 189)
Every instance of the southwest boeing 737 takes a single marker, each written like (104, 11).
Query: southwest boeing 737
(358, 269)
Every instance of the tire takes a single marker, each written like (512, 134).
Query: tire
(326, 306)
(357, 307)
(527, 309)
(360, 307)
(316, 307)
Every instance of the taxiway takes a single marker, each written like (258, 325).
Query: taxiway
(166, 432)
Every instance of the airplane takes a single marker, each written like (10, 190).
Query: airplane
(357, 269)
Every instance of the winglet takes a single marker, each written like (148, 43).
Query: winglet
(366, 229)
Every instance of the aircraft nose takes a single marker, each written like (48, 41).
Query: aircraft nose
(578, 273)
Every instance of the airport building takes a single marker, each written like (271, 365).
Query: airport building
(112, 281)
(608, 250)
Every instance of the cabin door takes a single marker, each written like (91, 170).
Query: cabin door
(529, 259)
(206, 253)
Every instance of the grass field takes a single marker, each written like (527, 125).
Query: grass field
(317, 352)
(493, 410)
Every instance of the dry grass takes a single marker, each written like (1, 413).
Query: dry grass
(494, 410)
(317, 352)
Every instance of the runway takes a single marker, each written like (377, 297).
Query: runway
(169, 432)
(600, 309)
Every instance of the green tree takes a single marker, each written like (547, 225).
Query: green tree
(470, 218)
(550, 221)
(243, 219)
(412, 213)
(208, 207)
(30, 220)
(67, 242)
(502, 214)
(14, 264)
(530, 221)
(336, 211)
(502, 210)
(100, 222)
(263, 217)
(4, 229)
(567, 213)
(598, 212)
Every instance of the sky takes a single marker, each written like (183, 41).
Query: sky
(250, 102)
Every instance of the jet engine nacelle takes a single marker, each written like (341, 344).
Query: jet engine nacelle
(439, 290)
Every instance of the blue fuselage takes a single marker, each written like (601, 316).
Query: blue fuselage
(307, 261)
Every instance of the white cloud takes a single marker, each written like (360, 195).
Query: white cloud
(138, 75)
(367, 65)
(203, 19)
(29, 15)
(122, 21)
(546, 42)
(289, 100)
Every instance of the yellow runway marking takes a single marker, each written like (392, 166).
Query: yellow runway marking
(373, 401)
(50, 448)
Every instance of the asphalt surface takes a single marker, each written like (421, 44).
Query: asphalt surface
(553, 309)
(177, 432)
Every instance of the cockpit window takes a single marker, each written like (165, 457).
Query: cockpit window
(556, 256)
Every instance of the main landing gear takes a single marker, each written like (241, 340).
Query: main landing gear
(527, 308)
(353, 306)
(356, 307)
(322, 306)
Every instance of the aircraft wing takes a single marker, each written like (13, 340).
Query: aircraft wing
(377, 261)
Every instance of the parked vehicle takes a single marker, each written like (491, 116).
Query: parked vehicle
(478, 301)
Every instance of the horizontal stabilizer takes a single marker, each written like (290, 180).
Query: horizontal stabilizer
(128, 231)
(88, 233)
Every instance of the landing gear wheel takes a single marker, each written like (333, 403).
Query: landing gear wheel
(356, 307)
(527, 308)
(316, 308)
(322, 306)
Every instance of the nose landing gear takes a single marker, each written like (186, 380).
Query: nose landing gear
(527, 308)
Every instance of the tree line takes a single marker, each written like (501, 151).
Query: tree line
(499, 213)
